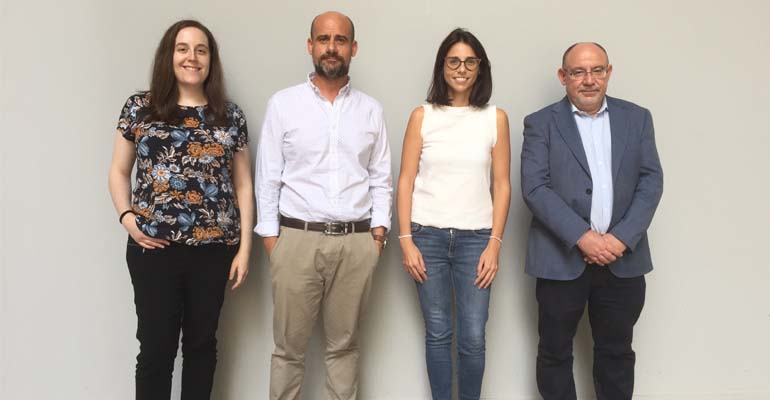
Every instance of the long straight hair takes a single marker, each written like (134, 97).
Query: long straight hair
(164, 90)
(438, 93)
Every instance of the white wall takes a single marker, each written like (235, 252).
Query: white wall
(66, 68)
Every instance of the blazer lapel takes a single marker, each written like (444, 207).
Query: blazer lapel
(619, 133)
(568, 130)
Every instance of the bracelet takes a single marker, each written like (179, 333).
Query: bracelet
(496, 238)
(404, 236)
(123, 214)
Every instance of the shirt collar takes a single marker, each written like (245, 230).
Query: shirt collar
(602, 109)
(343, 90)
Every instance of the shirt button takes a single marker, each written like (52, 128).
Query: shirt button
(589, 191)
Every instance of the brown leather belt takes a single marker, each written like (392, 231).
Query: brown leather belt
(328, 228)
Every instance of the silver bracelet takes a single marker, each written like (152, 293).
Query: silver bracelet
(404, 236)
(496, 238)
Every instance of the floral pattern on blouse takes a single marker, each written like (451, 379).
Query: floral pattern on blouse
(184, 192)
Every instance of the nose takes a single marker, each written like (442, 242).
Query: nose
(589, 79)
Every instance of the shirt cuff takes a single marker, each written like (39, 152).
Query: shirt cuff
(267, 228)
(381, 220)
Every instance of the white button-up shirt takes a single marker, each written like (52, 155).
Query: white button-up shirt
(320, 161)
(597, 143)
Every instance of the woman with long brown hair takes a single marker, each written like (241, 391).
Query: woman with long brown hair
(189, 216)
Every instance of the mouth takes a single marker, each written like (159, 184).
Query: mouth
(460, 79)
(191, 68)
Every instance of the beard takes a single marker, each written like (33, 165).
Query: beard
(338, 70)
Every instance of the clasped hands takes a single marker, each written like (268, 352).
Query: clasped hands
(600, 249)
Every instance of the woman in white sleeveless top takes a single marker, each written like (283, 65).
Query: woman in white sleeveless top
(451, 215)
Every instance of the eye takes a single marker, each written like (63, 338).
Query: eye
(202, 51)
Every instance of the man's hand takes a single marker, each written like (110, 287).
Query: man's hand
(270, 242)
(379, 231)
(614, 245)
(594, 248)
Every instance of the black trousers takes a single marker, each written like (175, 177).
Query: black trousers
(178, 287)
(614, 305)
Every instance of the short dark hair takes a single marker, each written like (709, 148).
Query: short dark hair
(438, 93)
(566, 52)
(352, 26)
(164, 92)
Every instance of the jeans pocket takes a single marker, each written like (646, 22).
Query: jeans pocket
(483, 232)
(415, 227)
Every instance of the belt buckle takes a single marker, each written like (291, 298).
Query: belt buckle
(336, 228)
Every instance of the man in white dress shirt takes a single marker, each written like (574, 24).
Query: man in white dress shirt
(324, 191)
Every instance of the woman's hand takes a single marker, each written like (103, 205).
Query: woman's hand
(487, 268)
(148, 242)
(413, 262)
(239, 268)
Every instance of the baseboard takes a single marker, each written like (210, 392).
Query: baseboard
(639, 396)
(704, 396)
(662, 396)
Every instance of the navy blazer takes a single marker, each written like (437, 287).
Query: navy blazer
(556, 186)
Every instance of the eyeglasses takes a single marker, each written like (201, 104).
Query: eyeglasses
(580, 74)
(471, 63)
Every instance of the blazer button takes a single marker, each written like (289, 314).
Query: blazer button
(589, 191)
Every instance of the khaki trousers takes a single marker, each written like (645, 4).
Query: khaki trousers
(314, 272)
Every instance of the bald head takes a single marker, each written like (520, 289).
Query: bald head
(583, 46)
(321, 18)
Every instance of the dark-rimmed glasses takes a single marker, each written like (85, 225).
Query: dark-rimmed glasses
(471, 63)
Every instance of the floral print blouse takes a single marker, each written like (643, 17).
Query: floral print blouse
(184, 191)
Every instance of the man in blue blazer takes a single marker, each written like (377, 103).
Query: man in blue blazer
(591, 176)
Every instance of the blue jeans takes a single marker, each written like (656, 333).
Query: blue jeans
(451, 257)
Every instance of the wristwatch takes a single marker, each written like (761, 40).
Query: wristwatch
(381, 238)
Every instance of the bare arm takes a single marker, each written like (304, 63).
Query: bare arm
(244, 193)
(119, 181)
(119, 178)
(501, 174)
(501, 200)
(410, 160)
